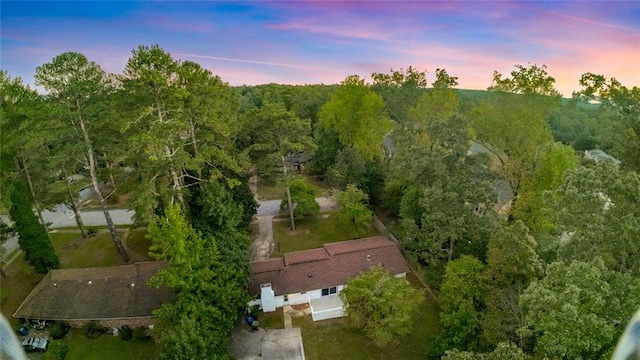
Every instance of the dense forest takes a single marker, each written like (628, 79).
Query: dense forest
(532, 249)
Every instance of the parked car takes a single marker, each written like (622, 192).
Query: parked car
(32, 344)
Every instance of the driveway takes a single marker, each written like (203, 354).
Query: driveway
(262, 246)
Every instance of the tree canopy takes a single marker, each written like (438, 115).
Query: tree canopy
(381, 305)
(357, 116)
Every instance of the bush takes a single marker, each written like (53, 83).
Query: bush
(59, 330)
(255, 311)
(140, 333)
(57, 351)
(126, 333)
(93, 330)
(92, 230)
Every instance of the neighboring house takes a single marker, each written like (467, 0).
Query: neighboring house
(299, 160)
(317, 276)
(113, 296)
(599, 155)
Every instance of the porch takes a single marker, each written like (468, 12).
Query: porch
(327, 307)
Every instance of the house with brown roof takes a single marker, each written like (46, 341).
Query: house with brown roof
(317, 276)
(113, 296)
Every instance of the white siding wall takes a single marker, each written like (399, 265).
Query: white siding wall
(327, 314)
(268, 298)
(276, 301)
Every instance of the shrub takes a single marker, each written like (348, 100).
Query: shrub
(92, 230)
(140, 333)
(126, 333)
(59, 330)
(93, 330)
(255, 310)
(57, 351)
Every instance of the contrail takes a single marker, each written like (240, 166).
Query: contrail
(593, 21)
(256, 62)
(576, 18)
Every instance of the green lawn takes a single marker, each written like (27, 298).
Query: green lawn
(19, 280)
(137, 241)
(272, 320)
(313, 233)
(76, 252)
(273, 190)
(335, 338)
(107, 347)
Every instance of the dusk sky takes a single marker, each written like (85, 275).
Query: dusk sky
(305, 42)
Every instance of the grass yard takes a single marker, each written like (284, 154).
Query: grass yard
(314, 232)
(272, 320)
(107, 347)
(273, 190)
(19, 280)
(336, 339)
(76, 252)
(138, 243)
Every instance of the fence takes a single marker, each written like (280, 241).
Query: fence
(384, 230)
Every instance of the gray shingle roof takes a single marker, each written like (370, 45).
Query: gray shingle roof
(115, 292)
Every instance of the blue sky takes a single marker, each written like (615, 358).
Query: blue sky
(323, 42)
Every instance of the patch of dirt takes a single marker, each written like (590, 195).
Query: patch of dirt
(300, 306)
(299, 231)
(73, 245)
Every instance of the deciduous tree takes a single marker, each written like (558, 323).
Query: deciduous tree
(599, 207)
(461, 304)
(511, 124)
(303, 198)
(381, 305)
(353, 207)
(399, 89)
(504, 351)
(205, 298)
(512, 263)
(621, 100)
(357, 116)
(554, 161)
(574, 310)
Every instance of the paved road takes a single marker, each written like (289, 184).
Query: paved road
(61, 216)
(272, 207)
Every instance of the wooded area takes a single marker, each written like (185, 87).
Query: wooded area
(532, 249)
